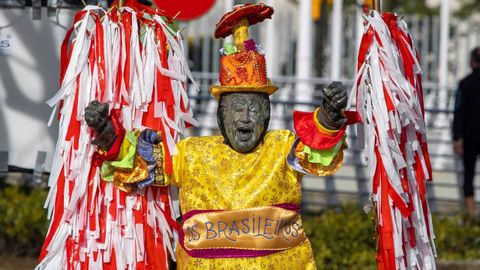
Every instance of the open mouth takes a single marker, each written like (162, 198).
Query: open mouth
(244, 133)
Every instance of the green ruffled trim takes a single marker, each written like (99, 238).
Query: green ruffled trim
(323, 157)
(229, 48)
(125, 162)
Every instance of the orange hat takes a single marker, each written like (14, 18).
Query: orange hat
(243, 68)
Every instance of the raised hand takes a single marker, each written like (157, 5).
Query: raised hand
(96, 116)
(335, 99)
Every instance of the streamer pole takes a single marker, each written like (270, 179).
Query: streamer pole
(377, 5)
(120, 4)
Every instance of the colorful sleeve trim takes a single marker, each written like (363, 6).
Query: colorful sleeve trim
(139, 163)
(310, 135)
(323, 157)
(297, 159)
(307, 130)
(321, 128)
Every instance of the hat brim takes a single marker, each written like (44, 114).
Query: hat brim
(217, 90)
(254, 13)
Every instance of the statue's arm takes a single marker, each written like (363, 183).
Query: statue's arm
(131, 159)
(321, 135)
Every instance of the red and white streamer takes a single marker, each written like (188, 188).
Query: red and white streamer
(136, 65)
(388, 94)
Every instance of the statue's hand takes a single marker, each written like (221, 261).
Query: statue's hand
(335, 99)
(96, 116)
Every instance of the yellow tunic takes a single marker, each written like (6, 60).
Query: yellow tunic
(212, 176)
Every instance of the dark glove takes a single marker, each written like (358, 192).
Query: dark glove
(96, 116)
(334, 101)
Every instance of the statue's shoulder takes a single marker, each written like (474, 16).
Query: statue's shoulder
(280, 135)
(199, 141)
(284, 132)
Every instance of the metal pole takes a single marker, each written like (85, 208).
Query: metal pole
(228, 6)
(442, 120)
(377, 5)
(359, 32)
(337, 36)
(443, 52)
(304, 61)
(271, 43)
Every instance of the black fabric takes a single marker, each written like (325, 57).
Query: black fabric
(470, 154)
(466, 120)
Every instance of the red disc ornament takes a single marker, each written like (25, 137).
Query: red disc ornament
(254, 13)
(186, 9)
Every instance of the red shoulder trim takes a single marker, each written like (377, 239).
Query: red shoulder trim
(309, 134)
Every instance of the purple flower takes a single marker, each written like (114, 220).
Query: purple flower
(250, 45)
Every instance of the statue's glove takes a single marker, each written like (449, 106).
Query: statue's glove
(96, 116)
(334, 101)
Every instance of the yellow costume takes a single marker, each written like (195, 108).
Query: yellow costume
(235, 205)
(212, 176)
(220, 186)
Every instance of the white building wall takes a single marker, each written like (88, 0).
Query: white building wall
(29, 72)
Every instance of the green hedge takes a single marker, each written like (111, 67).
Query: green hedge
(457, 237)
(345, 238)
(23, 221)
(342, 239)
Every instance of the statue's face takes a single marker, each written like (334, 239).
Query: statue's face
(243, 119)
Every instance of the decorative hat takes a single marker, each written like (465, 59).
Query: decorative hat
(243, 67)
